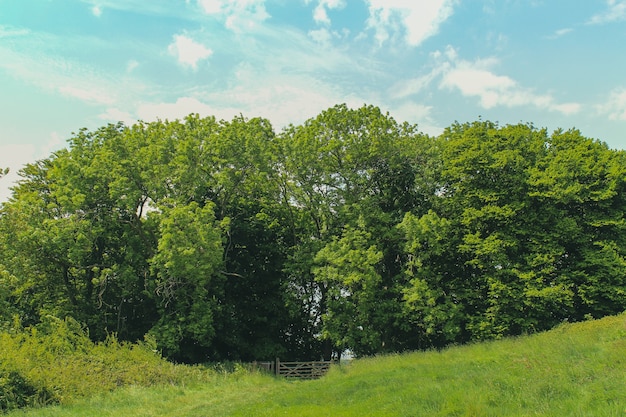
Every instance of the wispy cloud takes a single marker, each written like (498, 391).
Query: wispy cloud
(41, 60)
(477, 79)
(96, 11)
(187, 51)
(418, 19)
(415, 86)
(560, 33)
(283, 98)
(152, 7)
(239, 15)
(9, 31)
(615, 106)
(131, 65)
(615, 11)
(70, 79)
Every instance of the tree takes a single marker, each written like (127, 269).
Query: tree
(97, 214)
(524, 232)
(350, 170)
(582, 182)
(189, 254)
(227, 241)
(75, 246)
(347, 266)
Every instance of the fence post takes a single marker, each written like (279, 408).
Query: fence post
(277, 370)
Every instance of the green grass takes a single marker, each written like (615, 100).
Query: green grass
(574, 370)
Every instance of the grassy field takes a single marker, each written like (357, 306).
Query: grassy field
(574, 370)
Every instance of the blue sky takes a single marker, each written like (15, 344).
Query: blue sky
(68, 64)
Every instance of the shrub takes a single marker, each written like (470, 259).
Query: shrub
(16, 391)
(57, 362)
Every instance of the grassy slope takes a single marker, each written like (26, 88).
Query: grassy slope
(575, 370)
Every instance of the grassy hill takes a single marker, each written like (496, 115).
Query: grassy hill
(575, 370)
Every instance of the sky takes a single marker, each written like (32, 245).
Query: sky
(69, 64)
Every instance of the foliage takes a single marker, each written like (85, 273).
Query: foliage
(224, 240)
(57, 362)
(523, 224)
(347, 266)
(189, 253)
(17, 392)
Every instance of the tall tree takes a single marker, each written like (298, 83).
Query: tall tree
(350, 170)
(524, 233)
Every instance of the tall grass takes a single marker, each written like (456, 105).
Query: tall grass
(574, 370)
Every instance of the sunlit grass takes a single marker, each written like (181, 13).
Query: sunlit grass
(574, 370)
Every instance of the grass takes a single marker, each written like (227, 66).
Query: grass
(574, 370)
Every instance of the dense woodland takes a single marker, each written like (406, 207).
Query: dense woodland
(224, 240)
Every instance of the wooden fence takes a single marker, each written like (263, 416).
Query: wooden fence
(300, 370)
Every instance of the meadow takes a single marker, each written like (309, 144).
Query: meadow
(574, 370)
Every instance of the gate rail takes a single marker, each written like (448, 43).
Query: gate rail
(300, 370)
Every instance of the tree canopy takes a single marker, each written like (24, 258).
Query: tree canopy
(225, 240)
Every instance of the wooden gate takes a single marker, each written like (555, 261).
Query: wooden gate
(300, 370)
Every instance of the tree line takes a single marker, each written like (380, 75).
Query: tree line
(224, 240)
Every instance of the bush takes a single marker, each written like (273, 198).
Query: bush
(57, 362)
(16, 391)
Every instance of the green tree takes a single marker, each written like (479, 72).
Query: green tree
(582, 183)
(94, 213)
(347, 266)
(189, 254)
(524, 232)
(351, 169)
(74, 246)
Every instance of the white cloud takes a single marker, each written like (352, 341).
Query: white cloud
(420, 19)
(143, 7)
(9, 31)
(188, 52)
(131, 65)
(88, 93)
(282, 98)
(416, 113)
(566, 108)
(115, 115)
(320, 14)
(55, 143)
(615, 106)
(212, 6)
(560, 33)
(35, 60)
(14, 157)
(239, 15)
(181, 108)
(476, 79)
(616, 11)
(414, 86)
(321, 35)
(96, 11)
